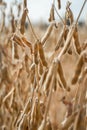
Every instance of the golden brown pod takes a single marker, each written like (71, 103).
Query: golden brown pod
(13, 24)
(23, 19)
(43, 78)
(60, 39)
(47, 34)
(41, 54)
(17, 39)
(51, 71)
(52, 17)
(40, 68)
(76, 41)
(61, 75)
(66, 32)
(68, 14)
(36, 53)
(67, 42)
(25, 4)
(27, 43)
(59, 4)
(78, 69)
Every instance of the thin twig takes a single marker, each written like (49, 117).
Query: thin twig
(35, 36)
(59, 15)
(81, 11)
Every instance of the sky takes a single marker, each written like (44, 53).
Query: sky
(39, 9)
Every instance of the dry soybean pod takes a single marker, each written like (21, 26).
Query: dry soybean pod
(47, 34)
(13, 24)
(76, 41)
(48, 79)
(41, 54)
(37, 77)
(52, 17)
(40, 68)
(43, 78)
(13, 50)
(25, 4)
(68, 14)
(60, 39)
(35, 53)
(26, 59)
(18, 40)
(79, 124)
(66, 32)
(19, 9)
(52, 68)
(55, 83)
(59, 4)
(3, 21)
(67, 42)
(26, 42)
(23, 19)
(37, 114)
(78, 69)
(61, 75)
(32, 78)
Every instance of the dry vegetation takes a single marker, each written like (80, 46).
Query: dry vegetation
(43, 73)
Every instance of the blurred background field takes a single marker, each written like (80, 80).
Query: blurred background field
(39, 9)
